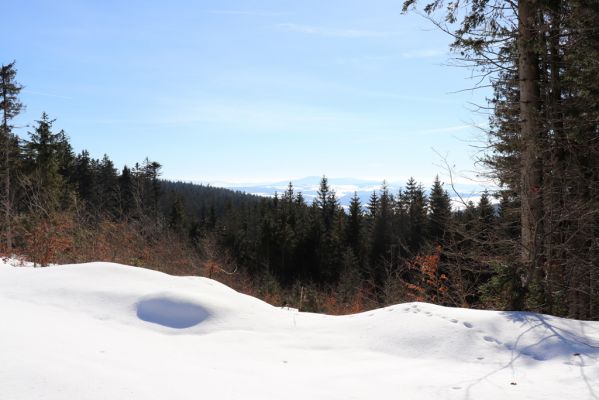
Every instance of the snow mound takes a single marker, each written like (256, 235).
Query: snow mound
(107, 331)
(171, 312)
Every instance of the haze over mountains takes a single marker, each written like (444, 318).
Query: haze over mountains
(345, 188)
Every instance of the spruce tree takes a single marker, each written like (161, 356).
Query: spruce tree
(43, 157)
(354, 225)
(11, 107)
(373, 205)
(486, 216)
(382, 256)
(85, 179)
(126, 199)
(439, 212)
(108, 187)
(417, 215)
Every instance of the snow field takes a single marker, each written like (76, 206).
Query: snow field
(100, 330)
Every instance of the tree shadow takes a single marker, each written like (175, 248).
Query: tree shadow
(560, 341)
(546, 338)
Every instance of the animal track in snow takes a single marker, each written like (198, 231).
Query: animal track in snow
(491, 339)
(468, 325)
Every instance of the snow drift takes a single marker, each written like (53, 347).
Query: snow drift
(100, 330)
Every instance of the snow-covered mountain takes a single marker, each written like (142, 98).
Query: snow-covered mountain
(107, 331)
(345, 188)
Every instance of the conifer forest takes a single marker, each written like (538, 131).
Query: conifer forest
(531, 243)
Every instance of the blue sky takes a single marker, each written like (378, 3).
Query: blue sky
(244, 91)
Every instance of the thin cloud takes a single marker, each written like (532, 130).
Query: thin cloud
(251, 13)
(334, 32)
(424, 53)
(401, 132)
(410, 98)
(57, 96)
(456, 128)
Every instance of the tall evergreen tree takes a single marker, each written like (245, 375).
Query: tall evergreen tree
(44, 156)
(439, 211)
(126, 196)
(486, 216)
(417, 215)
(373, 205)
(355, 229)
(382, 256)
(11, 107)
(108, 187)
(84, 177)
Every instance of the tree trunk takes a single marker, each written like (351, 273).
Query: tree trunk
(555, 169)
(6, 139)
(530, 131)
(7, 205)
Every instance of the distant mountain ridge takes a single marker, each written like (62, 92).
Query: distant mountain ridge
(345, 188)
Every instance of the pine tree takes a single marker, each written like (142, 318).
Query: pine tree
(148, 187)
(354, 230)
(11, 107)
(440, 212)
(84, 177)
(417, 215)
(44, 156)
(289, 195)
(373, 205)
(486, 217)
(382, 256)
(126, 197)
(108, 187)
(326, 202)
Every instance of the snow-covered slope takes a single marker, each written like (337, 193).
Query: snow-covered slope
(107, 331)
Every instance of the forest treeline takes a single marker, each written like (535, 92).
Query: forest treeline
(540, 59)
(537, 249)
(67, 207)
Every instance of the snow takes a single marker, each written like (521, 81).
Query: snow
(107, 331)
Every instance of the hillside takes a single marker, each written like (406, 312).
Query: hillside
(108, 331)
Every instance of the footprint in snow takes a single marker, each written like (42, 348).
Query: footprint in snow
(491, 339)
(468, 325)
(480, 358)
(454, 321)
